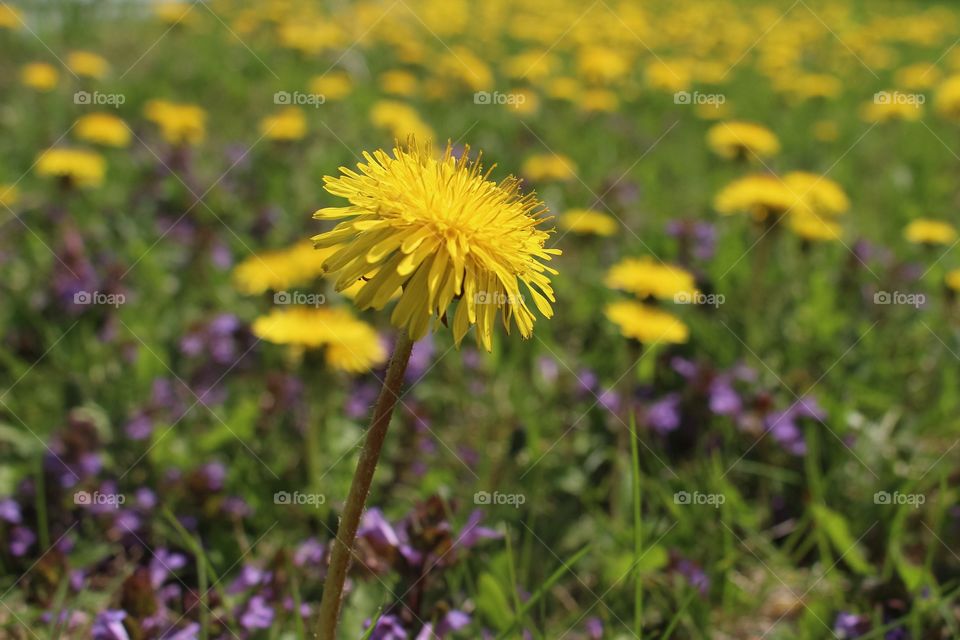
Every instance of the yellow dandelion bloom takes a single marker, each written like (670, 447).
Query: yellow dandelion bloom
(928, 231)
(441, 230)
(563, 89)
(947, 100)
(601, 65)
(918, 77)
(645, 277)
(9, 195)
(102, 128)
(88, 64)
(286, 125)
(333, 86)
(588, 222)
(399, 83)
(548, 166)
(40, 76)
(179, 123)
(953, 279)
(83, 168)
(276, 270)
(646, 323)
(9, 17)
(351, 344)
(400, 119)
(672, 75)
(760, 195)
(813, 227)
(464, 67)
(174, 13)
(742, 140)
(890, 106)
(598, 101)
(817, 194)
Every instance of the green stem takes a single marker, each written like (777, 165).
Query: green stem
(360, 487)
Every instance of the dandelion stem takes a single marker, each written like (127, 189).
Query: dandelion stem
(360, 487)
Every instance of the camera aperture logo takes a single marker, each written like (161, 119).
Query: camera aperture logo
(699, 298)
(715, 100)
(915, 300)
(300, 499)
(915, 500)
(97, 499)
(301, 298)
(99, 298)
(697, 498)
(487, 498)
(98, 99)
(299, 98)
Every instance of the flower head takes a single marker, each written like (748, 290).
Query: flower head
(9, 17)
(103, 128)
(81, 167)
(9, 195)
(588, 221)
(760, 195)
(817, 194)
(645, 277)
(290, 267)
(742, 140)
(927, 231)
(351, 344)
(87, 64)
(179, 123)
(548, 166)
(441, 230)
(646, 323)
(286, 125)
(812, 227)
(40, 76)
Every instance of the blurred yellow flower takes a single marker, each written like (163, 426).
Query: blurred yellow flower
(889, 106)
(286, 125)
(9, 17)
(918, 77)
(598, 100)
(646, 323)
(759, 195)
(953, 279)
(87, 64)
(174, 12)
(548, 166)
(672, 75)
(9, 195)
(438, 228)
(947, 100)
(351, 344)
(928, 231)
(736, 139)
(601, 65)
(179, 123)
(645, 277)
(463, 67)
(812, 227)
(333, 85)
(102, 128)
(563, 89)
(82, 168)
(277, 270)
(817, 194)
(400, 119)
(588, 222)
(40, 76)
(399, 83)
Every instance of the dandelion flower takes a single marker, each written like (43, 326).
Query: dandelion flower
(9, 17)
(102, 128)
(549, 166)
(947, 100)
(645, 277)
(890, 106)
(351, 344)
(813, 227)
(9, 195)
(742, 140)
(761, 195)
(398, 82)
(277, 270)
(953, 279)
(927, 231)
(400, 119)
(287, 125)
(646, 323)
(441, 230)
(179, 123)
(817, 194)
(588, 222)
(40, 76)
(82, 168)
(334, 85)
(88, 64)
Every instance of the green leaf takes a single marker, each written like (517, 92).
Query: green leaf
(492, 602)
(838, 531)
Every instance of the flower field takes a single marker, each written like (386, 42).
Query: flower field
(449, 319)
